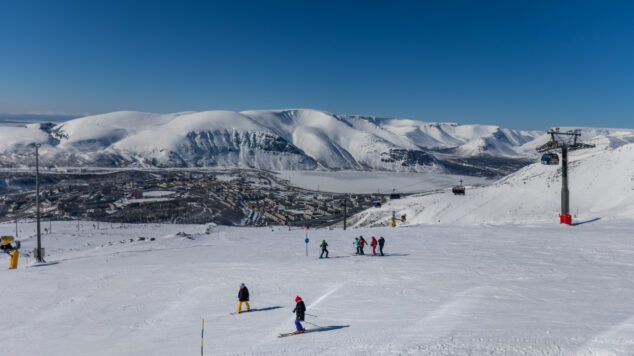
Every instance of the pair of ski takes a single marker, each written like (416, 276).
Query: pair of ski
(244, 311)
(281, 335)
(297, 333)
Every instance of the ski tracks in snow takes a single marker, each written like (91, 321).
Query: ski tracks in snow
(323, 297)
(439, 324)
(617, 340)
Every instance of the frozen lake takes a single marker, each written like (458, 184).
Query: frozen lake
(372, 182)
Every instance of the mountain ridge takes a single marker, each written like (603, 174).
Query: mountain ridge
(287, 139)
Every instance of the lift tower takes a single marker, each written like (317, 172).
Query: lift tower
(564, 141)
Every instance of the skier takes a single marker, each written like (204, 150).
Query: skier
(357, 245)
(243, 296)
(381, 243)
(324, 248)
(373, 243)
(362, 243)
(299, 311)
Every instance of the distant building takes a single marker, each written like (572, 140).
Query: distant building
(136, 193)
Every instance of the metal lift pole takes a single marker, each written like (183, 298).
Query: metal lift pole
(571, 143)
(38, 254)
(345, 214)
(565, 194)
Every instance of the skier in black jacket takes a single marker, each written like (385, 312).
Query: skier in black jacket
(362, 243)
(243, 296)
(381, 243)
(300, 310)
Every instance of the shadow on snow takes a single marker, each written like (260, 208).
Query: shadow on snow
(45, 264)
(585, 222)
(329, 328)
(267, 308)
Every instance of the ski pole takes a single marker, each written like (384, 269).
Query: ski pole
(316, 316)
(312, 324)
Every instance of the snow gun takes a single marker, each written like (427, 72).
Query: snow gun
(11, 247)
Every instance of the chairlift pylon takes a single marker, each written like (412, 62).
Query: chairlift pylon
(564, 141)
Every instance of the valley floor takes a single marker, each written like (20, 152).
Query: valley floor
(441, 290)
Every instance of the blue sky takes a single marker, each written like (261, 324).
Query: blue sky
(518, 64)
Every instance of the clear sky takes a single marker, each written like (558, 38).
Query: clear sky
(518, 64)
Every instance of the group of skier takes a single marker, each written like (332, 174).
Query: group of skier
(359, 243)
(300, 307)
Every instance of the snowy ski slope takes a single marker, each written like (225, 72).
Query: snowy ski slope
(535, 289)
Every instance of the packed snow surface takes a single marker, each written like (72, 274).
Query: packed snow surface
(535, 289)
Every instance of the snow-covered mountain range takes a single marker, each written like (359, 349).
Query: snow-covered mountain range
(281, 139)
(268, 139)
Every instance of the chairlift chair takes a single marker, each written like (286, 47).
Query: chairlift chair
(550, 159)
(459, 189)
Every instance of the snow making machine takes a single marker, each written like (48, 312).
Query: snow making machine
(10, 246)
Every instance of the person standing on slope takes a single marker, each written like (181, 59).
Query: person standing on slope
(324, 248)
(243, 296)
(362, 243)
(357, 245)
(300, 311)
(381, 243)
(373, 243)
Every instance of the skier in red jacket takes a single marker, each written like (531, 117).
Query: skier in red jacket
(373, 243)
(362, 244)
